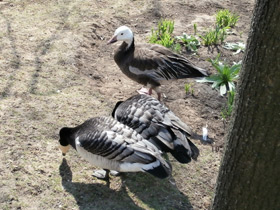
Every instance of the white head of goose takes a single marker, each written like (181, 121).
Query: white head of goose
(156, 123)
(150, 64)
(108, 144)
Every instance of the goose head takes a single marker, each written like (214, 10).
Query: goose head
(122, 33)
(64, 145)
(115, 108)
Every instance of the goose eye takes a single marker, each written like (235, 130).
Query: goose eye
(121, 33)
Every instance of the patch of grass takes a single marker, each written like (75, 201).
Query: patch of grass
(214, 36)
(188, 88)
(189, 41)
(226, 76)
(163, 34)
(224, 18)
(195, 28)
(224, 21)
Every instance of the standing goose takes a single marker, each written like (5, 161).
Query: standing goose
(150, 64)
(108, 144)
(156, 123)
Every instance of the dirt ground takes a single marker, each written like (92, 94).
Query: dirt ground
(56, 70)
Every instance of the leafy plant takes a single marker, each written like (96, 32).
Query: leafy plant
(225, 19)
(163, 34)
(214, 36)
(226, 76)
(237, 46)
(190, 41)
(177, 47)
(226, 112)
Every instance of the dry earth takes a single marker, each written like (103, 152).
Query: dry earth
(56, 70)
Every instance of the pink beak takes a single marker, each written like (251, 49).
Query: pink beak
(112, 40)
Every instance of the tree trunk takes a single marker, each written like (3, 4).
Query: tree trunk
(250, 170)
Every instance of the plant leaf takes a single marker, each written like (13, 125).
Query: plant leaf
(223, 89)
(231, 86)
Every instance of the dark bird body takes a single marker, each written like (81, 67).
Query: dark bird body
(108, 144)
(156, 123)
(150, 64)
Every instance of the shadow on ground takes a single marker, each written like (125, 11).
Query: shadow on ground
(145, 189)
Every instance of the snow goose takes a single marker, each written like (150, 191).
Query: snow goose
(150, 64)
(111, 145)
(156, 123)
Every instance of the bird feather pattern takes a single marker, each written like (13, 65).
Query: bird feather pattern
(116, 141)
(156, 123)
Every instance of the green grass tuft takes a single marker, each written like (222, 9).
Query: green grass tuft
(224, 18)
(214, 36)
(163, 34)
(188, 88)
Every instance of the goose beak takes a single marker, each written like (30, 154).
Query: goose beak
(112, 40)
(64, 149)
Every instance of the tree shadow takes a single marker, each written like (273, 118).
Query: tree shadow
(44, 46)
(15, 61)
(41, 50)
(94, 196)
(157, 8)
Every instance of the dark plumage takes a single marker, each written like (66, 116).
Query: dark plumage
(149, 64)
(111, 145)
(156, 123)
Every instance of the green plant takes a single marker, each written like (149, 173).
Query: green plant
(188, 88)
(195, 28)
(225, 19)
(226, 112)
(177, 47)
(190, 41)
(163, 34)
(214, 36)
(235, 46)
(226, 76)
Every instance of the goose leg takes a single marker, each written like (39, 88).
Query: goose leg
(143, 90)
(159, 96)
(101, 174)
(114, 173)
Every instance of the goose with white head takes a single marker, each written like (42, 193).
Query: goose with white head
(150, 64)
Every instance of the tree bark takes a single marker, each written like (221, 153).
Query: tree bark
(250, 170)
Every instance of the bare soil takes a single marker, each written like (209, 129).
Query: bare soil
(56, 70)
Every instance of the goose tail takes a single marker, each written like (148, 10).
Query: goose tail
(193, 71)
(183, 154)
(185, 69)
(184, 150)
(160, 168)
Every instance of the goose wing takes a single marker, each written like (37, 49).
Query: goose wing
(159, 63)
(118, 142)
(145, 112)
(158, 124)
(151, 119)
